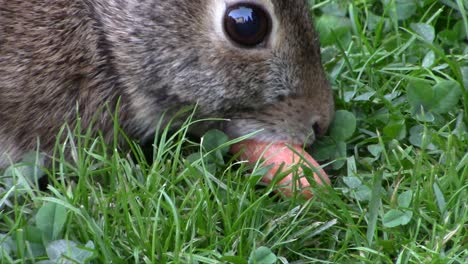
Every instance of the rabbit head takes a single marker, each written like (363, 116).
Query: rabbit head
(256, 63)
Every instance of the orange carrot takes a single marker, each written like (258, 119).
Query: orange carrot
(278, 154)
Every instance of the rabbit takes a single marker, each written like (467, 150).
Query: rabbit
(255, 63)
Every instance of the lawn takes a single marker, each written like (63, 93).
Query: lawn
(396, 154)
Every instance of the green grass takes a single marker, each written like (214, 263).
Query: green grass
(397, 154)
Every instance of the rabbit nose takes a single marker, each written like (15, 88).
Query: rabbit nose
(319, 129)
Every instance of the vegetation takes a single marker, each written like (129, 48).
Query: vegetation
(396, 151)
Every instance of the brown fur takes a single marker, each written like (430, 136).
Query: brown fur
(59, 56)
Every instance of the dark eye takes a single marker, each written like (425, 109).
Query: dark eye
(247, 24)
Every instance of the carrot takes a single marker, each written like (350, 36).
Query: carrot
(280, 154)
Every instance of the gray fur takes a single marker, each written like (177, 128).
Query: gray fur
(155, 55)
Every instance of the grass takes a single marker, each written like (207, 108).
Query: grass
(397, 154)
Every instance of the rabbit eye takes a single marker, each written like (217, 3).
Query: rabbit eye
(247, 24)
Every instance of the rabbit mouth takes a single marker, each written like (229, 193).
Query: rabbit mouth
(278, 131)
(294, 120)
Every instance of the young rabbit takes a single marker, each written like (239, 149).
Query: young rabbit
(254, 62)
